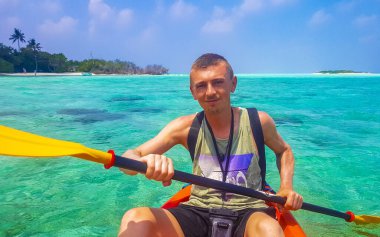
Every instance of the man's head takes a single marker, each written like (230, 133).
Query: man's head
(211, 59)
(211, 82)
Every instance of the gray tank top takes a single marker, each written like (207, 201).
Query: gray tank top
(243, 169)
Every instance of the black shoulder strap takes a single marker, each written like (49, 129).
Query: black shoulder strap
(259, 139)
(193, 133)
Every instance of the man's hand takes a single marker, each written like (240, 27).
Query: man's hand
(293, 200)
(159, 167)
(130, 154)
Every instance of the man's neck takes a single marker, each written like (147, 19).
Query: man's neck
(220, 122)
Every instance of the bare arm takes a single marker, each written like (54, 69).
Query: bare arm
(284, 160)
(160, 167)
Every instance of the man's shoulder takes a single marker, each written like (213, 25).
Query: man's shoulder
(178, 129)
(267, 122)
(182, 122)
(264, 116)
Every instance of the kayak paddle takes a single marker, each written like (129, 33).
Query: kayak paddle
(18, 143)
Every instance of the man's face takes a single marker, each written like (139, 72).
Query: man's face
(212, 86)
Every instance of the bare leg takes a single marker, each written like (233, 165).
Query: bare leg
(260, 224)
(145, 221)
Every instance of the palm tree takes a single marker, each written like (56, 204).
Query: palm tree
(32, 44)
(36, 47)
(17, 36)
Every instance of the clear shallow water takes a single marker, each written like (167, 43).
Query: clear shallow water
(331, 122)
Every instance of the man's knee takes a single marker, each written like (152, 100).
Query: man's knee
(149, 222)
(267, 226)
(260, 224)
(137, 214)
(138, 220)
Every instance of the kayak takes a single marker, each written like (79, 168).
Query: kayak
(287, 221)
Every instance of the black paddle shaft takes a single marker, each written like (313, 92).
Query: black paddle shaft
(140, 167)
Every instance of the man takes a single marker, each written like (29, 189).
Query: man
(225, 150)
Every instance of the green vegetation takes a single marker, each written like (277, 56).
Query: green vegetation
(17, 36)
(31, 59)
(338, 71)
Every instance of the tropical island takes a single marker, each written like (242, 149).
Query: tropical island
(338, 71)
(32, 59)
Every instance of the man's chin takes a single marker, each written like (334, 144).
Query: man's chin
(212, 109)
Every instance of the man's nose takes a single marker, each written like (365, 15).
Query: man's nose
(210, 90)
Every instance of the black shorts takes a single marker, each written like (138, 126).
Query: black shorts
(195, 221)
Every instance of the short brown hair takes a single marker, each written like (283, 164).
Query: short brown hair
(211, 59)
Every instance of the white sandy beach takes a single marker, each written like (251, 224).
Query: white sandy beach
(31, 74)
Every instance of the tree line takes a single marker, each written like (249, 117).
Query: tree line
(31, 58)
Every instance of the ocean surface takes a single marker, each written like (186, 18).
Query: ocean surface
(332, 123)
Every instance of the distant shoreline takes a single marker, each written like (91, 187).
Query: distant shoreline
(86, 74)
(32, 74)
(343, 73)
(39, 74)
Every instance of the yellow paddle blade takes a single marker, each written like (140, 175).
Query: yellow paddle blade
(365, 219)
(18, 143)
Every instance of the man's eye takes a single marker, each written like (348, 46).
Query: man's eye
(200, 86)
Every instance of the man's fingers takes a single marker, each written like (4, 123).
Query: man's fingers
(289, 202)
(170, 169)
(166, 183)
(157, 167)
(164, 169)
(150, 165)
(294, 201)
(167, 180)
(299, 202)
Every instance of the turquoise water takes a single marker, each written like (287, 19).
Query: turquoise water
(331, 122)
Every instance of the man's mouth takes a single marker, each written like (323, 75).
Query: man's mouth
(211, 100)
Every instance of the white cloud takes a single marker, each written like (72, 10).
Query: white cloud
(63, 26)
(125, 17)
(104, 16)
(220, 25)
(99, 10)
(223, 21)
(251, 6)
(319, 17)
(181, 9)
(364, 21)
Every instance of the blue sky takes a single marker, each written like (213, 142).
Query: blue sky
(256, 36)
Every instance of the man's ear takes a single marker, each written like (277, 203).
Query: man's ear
(192, 92)
(234, 84)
